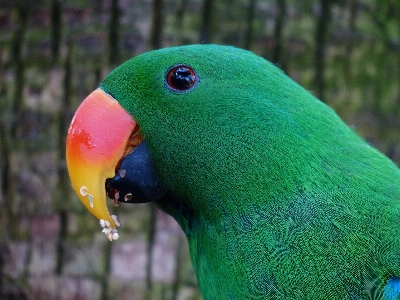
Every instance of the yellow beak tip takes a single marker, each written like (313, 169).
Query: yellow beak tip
(97, 139)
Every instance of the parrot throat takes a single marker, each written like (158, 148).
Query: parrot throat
(179, 210)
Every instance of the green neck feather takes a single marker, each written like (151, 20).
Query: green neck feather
(274, 192)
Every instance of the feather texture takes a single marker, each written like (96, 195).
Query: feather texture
(278, 198)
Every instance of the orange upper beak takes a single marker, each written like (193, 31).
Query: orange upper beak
(97, 139)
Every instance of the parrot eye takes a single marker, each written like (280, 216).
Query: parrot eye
(181, 78)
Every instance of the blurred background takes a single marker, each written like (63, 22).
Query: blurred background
(54, 53)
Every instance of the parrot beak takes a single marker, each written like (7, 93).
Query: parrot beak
(99, 136)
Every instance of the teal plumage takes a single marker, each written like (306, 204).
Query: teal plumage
(278, 198)
(392, 289)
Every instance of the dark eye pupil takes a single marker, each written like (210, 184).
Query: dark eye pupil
(181, 78)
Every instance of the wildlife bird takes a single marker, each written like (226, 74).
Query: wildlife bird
(278, 198)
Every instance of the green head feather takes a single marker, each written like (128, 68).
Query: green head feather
(277, 196)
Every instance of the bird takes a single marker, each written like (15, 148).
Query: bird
(277, 196)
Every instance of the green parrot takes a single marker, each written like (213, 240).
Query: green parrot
(277, 196)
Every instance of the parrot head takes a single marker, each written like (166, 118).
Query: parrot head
(208, 116)
(213, 120)
(272, 189)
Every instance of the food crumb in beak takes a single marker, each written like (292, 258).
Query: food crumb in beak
(115, 235)
(111, 233)
(85, 192)
(104, 223)
(115, 219)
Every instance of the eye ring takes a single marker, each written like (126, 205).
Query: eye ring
(181, 78)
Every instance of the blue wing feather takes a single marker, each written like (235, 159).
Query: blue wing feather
(392, 289)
